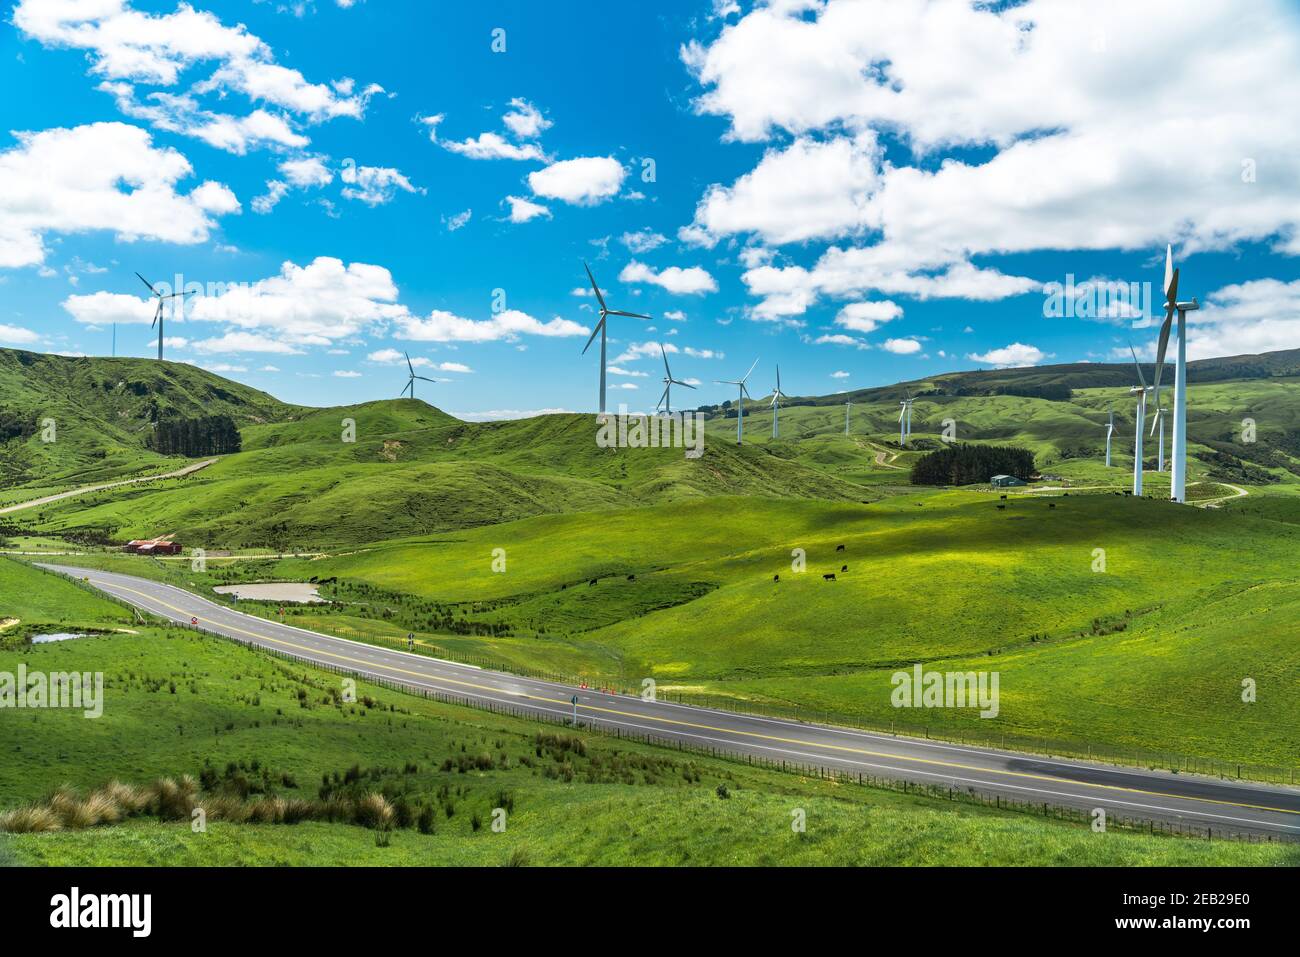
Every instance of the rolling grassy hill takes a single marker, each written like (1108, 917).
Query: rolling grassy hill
(103, 411)
(252, 728)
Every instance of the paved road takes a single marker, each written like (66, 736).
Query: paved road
(86, 490)
(1224, 806)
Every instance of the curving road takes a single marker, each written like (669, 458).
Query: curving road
(87, 489)
(1226, 807)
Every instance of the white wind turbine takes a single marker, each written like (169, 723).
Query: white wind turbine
(905, 420)
(410, 382)
(157, 316)
(600, 327)
(666, 400)
(848, 404)
(740, 401)
(777, 396)
(1110, 433)
(1160, 423)
(1141, 392)
(1178, 481)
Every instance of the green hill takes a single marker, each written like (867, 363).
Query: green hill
(103, 411)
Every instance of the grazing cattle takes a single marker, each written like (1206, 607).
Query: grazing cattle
(592, 582)
(776, 578)
(844, 568)
(631, 578)
(829, 578)
(1003, 497)
(1001, 507)
(839, 548)
(1051, 505)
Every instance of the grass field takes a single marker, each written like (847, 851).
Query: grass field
(177, 703)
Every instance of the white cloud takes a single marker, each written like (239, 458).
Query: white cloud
(643, 240)
(1066, 158)
(839, 374)
(373, 185)
(307, 171)
(809, 190)
(244, 342)
(17, 336)
(494, 146)
(1246, 318)
(129, 189)
(618, 370)
(524, 120)
(585, 181)
(454, 367)
(347, 374)
(638, 350)
(691, 281)
(458, 221)
(1013, 356)
(442, 326)
(901, 347)
(839, 339)
(867, 316)
(676, 315)
(522, 210)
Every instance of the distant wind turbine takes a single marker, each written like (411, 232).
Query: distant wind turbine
(905, 419)
(848, 404)
(600, 327)
(410, 382)
(1141, 392)
(740, 402)
(1178, 481)
(666, 400)
(777, 396)
(1110, 433)
(158, 313)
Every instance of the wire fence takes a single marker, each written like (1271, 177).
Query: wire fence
(1161, 760)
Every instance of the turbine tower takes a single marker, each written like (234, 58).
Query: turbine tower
(600, 327)
(666, 400)
(1110, 432)
(1141, 392)
(157, 316)
(848, 404)
(410, 382)
(1160, 423)
(1178, 482)
(740, 401)
(777, 396)
(905, 420)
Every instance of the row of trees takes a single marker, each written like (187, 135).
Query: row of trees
(206, 435)
(962, 464)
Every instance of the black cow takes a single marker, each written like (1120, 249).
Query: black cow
(776, 578)
(828, 578)
(839, 548)
(844, 568)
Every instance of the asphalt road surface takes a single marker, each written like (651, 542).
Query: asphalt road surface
(1225, 807)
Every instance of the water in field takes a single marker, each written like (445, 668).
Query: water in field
(300, 593)
(57, 636)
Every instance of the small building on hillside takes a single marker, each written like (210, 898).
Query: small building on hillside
(1006, 481)
(153, 546)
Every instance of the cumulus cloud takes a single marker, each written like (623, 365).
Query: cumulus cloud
(1013, 356)
(901, 347)
(1004, 144)
(494, 146)
(373, 185)
(522, 210)
(130, 190)
(584, 181)
(867, 316)
(694, 280)
(17, 335)
(509, 325)
(643, 240)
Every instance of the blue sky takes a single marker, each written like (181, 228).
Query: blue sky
(862, 192)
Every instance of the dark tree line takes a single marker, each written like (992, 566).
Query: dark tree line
(962, 464)
(207, 435)
(16, 425)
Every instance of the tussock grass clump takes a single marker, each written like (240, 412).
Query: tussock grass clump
(30, 820)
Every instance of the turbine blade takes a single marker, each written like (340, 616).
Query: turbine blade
(408, 362)
(1141, 377)
(667, 371)
(662, 397)
(680, 382)
(1162, 346)
(750, 372)
(599, 298)
(149, 284)
(600, 325)
(1169, 266)
(630, 315)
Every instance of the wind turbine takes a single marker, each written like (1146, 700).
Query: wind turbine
(158, 313)
(777, 396)
(848, 404)
(1141, 393)
(666, 400)
(600, 327)
(740, 401)
(1110, 432)
(410, 383)
(1178, 482)
(905, 420)
(1160, 421)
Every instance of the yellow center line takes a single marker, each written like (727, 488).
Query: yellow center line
(751, 734)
